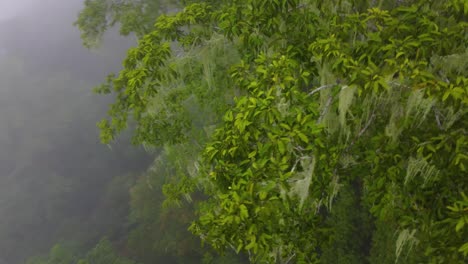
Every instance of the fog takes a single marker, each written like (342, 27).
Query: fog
(9, 9)
(55, 176)
(12, 8)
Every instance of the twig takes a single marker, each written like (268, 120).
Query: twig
(325, 109)
(366, 126)
(437, 116)
(149, 183)
(363, 130)
(321, 88)
(232, 247)
(290, 258)
(297, 7)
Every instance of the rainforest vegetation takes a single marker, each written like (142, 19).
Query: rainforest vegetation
(263, 131)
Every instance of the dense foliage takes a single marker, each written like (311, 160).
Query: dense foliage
(133, 16)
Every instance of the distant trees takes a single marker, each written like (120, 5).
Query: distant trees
(103, 252)
(55, 177)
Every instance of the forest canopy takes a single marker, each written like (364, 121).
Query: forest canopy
(296, 131)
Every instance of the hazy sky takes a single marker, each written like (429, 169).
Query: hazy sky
(9, 8)
(12, 8)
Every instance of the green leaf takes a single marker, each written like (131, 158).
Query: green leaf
(302, 137)
(244, 213)
(239, 247)
(281, 147)
(460, 225)
(464, 249)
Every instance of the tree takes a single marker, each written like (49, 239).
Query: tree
(103, 252)
(328, 94)
(59, 254)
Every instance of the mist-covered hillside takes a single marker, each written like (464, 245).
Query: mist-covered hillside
(55, 176)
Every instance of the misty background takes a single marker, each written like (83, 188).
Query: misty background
(57, 182)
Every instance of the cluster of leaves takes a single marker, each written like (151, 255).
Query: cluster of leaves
(267, 181)
(329, 94)
(459, 218)
(133, 17)
(177, 113)
(155, 89)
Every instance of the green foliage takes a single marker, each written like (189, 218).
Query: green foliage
(147, 88)
(262, 166)
(459, 218)
(133, 17)
(325, 94)
(59, 254)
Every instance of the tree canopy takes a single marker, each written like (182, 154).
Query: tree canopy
(308, 124)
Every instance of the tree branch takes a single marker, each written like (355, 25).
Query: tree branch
(361, 132)
(437, 117)
(321, 88)
(325, 109)
(290, 258)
